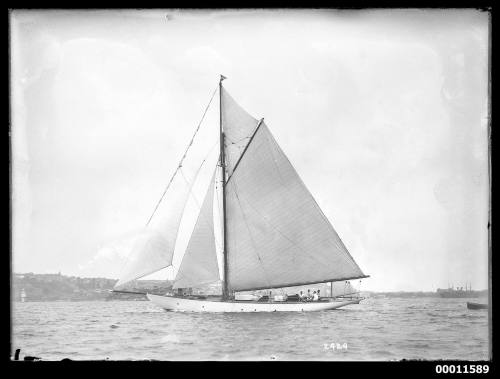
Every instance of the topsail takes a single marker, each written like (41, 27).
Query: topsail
(238, 128)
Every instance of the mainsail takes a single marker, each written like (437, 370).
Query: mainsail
(199, 264)
(154, 248)
(277, 235)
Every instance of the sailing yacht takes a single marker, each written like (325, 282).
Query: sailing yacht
(274, 234)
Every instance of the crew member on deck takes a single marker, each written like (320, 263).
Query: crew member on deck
(315, 296)
(309, 297)
(301, 296)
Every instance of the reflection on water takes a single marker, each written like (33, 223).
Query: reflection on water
(376, 329)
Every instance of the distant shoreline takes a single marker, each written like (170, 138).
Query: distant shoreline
(62, 288)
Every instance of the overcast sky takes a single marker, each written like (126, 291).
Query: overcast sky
(383, 114)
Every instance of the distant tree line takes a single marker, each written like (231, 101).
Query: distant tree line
(405, 294)
(57, 287)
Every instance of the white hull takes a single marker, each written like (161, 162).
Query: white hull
(170, 303)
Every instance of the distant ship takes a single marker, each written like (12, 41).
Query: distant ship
(23, 295)
(475, 306)
(459, 292)
(274, 234)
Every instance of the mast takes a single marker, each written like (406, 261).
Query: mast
(225, 291)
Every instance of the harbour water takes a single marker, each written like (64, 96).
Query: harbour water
(377, 329)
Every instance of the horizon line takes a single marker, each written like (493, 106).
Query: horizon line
(102, 277)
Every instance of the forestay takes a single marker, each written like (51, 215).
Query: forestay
(199, 264)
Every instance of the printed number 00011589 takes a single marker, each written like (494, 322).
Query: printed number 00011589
(462, 369)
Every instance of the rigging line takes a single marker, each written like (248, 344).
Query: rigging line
(288, 190)
(173, 272)
(190, 185)
(190, 189)
(218, 193)
(217, 190)
(207, 222)
(227, 164)
(294, 244)
(183, 156)
(235, 142)
(198, 205)
(251, 237)
(245, 149)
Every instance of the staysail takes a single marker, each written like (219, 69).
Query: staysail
(154, 248)
(277, 235)
(199, 265)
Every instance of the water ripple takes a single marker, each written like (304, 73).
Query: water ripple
(376, 329)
